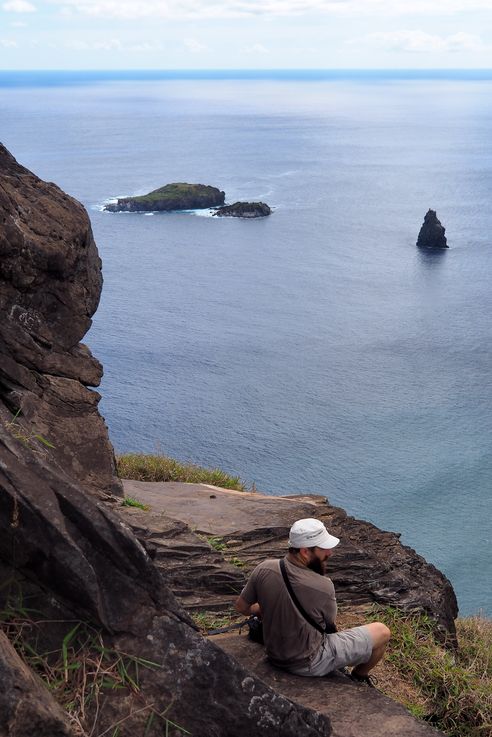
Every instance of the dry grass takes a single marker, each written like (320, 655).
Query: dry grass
(452, 689)
(143, 467)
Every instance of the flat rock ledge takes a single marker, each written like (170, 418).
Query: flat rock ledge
(354, 710)
(369, 566)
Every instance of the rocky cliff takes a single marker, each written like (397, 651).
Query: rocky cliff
(64, 554)
(50, 284)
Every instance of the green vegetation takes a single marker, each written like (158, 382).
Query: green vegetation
(141, 467)
(236, 562)
(175, 191)
(129, 501)
(454, 687)
(217, 543)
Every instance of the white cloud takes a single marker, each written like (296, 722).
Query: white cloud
(8, 43)
(194, 46)
(111, 44)
(256, 49)
(422, 42)
(199, 9)
(144, 47)
(19, 6)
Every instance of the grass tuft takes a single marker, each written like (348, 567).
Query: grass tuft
(213, 620)
(146, 467)
(217, 543)
(130, 501)
(456, 685)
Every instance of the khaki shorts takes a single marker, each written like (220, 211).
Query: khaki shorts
(349, 647)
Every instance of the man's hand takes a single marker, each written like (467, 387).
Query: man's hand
(243, 607)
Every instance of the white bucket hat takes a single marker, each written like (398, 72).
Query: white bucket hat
(310, 533)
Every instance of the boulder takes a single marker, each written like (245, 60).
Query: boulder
(50, 284)
(432, 232)
(176, 196)
(244, 210)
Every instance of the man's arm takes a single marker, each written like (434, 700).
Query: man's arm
(243, 607)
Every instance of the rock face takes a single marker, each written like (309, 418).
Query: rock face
(26, 707)
(64, 552)
(177, 196)
(50, 284)
(432, 232)
(244, 210)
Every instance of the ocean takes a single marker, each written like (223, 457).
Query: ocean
(316, 350)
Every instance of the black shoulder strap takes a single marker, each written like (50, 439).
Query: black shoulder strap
(296, 600)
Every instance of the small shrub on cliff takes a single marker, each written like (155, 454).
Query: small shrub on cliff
(142, 467)
(456, 684)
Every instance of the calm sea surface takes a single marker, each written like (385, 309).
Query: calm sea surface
(315, 350)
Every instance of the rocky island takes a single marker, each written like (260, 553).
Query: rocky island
(432, 232)
(244, 210)
(175, 196)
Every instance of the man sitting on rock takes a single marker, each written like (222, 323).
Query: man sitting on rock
(292, 642)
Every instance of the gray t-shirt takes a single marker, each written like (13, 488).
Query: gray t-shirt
(290, 640)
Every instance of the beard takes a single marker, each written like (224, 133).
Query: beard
(317, 566)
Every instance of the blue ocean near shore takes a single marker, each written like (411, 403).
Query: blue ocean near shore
(317, 350)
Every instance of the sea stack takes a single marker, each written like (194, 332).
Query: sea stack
(432, 232)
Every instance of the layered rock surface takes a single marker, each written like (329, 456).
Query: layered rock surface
(431, 234)
(369, 566)
(176, 196)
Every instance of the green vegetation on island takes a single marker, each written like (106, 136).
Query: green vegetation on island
(175, 196)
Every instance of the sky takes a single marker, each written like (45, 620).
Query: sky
(245, 34)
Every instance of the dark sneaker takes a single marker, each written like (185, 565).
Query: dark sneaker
(368, 680)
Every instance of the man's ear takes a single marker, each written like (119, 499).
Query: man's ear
(305, 554)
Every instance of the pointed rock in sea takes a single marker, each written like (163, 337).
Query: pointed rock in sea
(432, 232)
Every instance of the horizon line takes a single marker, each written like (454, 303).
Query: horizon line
(233, 70)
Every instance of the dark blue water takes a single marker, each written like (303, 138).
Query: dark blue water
(316, 350)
